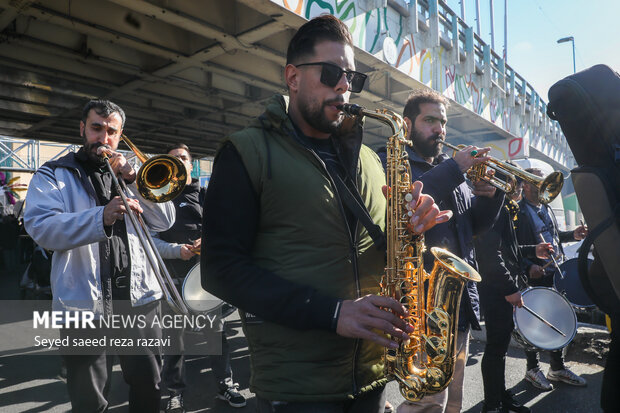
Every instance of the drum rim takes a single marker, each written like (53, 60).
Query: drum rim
(535, 347)
(575, 305)
(187, 303)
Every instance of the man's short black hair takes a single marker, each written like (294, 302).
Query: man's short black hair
(322, 28)
(179, 146)
(418, 97)
(103, 108)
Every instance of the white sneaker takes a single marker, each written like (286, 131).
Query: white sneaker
(566, 376)
(538, 380)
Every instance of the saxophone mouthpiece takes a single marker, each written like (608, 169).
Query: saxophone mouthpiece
(351, 109)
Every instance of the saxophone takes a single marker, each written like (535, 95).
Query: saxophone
(425, 364)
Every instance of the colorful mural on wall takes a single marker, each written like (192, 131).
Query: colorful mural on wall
(370, 27)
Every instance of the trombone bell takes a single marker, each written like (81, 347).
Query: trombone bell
(161, 178)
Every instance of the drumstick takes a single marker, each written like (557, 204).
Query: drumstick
(552, 257)
(538, 316)
(547, 264)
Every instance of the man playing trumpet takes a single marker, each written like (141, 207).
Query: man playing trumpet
(474, 213)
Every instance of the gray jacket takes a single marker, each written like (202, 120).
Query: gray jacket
(62, 214)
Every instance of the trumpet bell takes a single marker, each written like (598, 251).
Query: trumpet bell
(551, 187)
(161, 178)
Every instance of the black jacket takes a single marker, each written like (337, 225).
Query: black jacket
(527, 236)
(500, 258)
(187, 225)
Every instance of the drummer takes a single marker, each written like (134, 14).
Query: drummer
(500, 264)
(536, 220)
(179, 247)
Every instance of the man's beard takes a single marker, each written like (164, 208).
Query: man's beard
(315, 117)
(426, 148)
(91, 152)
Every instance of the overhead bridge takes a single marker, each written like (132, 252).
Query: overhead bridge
(193, 72)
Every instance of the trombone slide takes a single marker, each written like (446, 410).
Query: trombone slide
(173, 298)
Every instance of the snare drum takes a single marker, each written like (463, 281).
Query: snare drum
(570, 285)
(532, 333)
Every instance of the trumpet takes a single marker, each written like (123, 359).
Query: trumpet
(160, 179)
(549, 187)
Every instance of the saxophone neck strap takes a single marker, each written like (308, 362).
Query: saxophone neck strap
(352, 199)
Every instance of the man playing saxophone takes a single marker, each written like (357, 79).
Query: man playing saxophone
(292, 237)
(474, 213)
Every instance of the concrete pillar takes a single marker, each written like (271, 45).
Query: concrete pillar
(470, 55)
(486, 71)
(511, 90)
(412, 20)
(456, 53)
(433, 21)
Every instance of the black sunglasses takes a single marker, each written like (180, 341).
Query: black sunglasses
(331, 75)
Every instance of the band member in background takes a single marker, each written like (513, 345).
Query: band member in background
(178, 246)
(73, 209)
(474, 213)
(501, 266)
(279, 242)
(536, 219)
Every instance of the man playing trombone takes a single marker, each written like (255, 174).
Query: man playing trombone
(74, 209)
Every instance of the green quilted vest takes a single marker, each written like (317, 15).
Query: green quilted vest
(302, 236)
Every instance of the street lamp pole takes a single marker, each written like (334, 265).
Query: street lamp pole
(572, 40)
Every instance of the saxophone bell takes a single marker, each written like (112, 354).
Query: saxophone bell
(425, 364)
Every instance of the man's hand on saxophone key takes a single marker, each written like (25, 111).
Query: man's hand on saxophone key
(368, 317)
(375, 317)
(425, 214)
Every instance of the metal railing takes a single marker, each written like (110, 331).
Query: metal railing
(454, 32)
(27, 155)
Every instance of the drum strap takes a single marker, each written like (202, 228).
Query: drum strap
(524, 280)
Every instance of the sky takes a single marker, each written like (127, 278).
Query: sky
(534, 26)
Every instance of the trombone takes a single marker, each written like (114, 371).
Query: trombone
(160, 179)
(549, 187)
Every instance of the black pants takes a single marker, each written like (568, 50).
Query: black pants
(556, 357)
(371, 402)
(499, 325)
(173, 372)
(89, 376)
